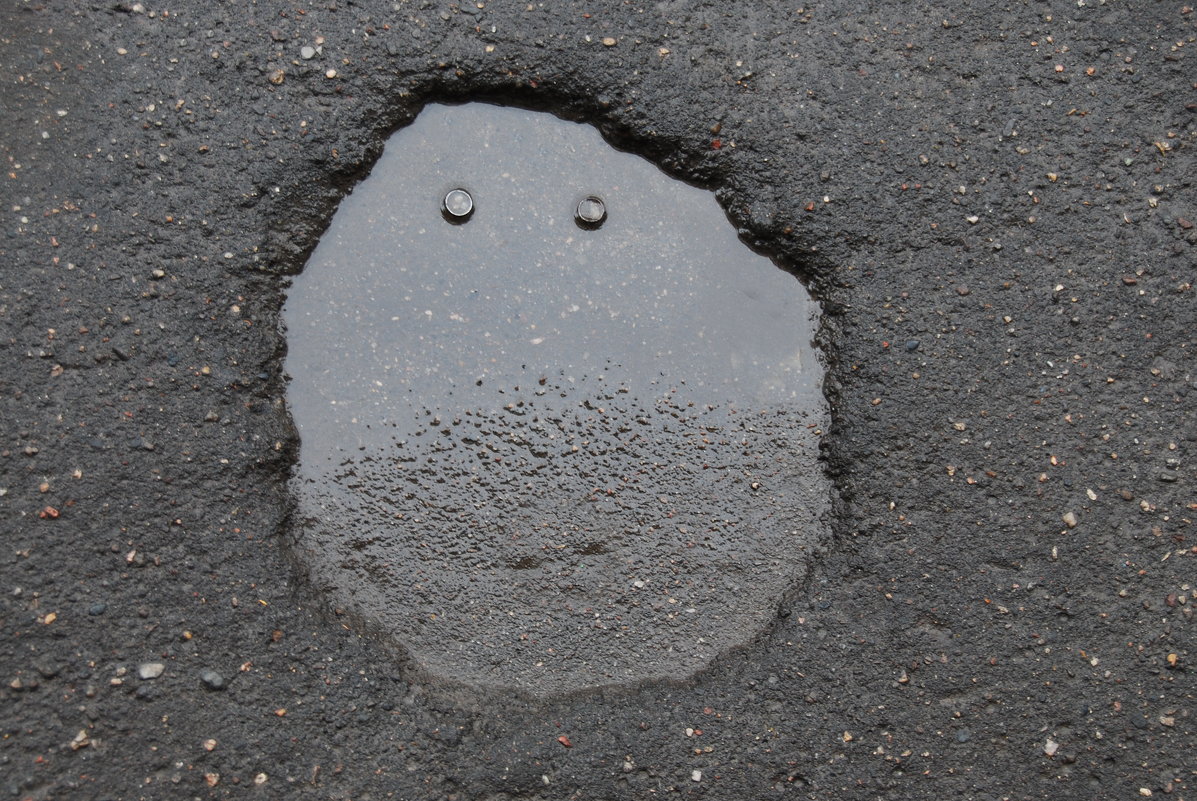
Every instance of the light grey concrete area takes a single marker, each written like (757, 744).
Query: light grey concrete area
(540, 456)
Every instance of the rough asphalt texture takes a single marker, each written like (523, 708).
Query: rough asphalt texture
(994, 203)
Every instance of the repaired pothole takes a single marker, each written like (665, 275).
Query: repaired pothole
(543, 448)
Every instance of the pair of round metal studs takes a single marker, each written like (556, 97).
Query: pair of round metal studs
(458, 207)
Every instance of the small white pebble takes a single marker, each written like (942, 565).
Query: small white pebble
(150, 670)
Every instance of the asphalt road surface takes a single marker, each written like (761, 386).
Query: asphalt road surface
(994, 205)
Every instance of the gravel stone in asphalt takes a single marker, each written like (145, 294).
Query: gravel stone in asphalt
(211, 679)
(150, 670)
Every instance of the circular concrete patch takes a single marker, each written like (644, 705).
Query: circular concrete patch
(539, 456)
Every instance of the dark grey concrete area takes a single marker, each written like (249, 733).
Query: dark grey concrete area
(994, 205)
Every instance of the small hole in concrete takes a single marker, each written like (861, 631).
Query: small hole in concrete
(544, 458)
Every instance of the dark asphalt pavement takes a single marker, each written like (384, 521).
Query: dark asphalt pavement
(994, 204)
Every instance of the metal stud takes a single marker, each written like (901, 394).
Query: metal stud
(458, 206)
(591, 213)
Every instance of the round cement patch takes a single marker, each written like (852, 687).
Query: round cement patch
(539, 456)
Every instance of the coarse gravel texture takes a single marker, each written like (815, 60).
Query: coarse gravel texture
(993, 202)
